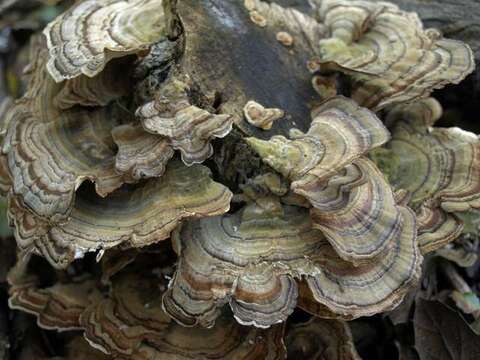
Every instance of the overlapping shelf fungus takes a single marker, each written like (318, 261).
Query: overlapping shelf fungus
(230, 164)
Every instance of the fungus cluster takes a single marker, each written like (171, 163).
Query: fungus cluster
(125, 143)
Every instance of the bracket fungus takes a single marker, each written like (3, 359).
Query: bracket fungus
(387, 53)
(328, 209)
(58, 306)
(438, 167)
(252, 260)
(128, 322)
(147, 332)
(248, 259)
(140, 154)
(110, 84)
(325, 163)
(83, 39)
(189, 128)
(48, 161)
(128, 217)
(261, 117)
(327, 167)
(340, 132)
(51, 150)
(370, 288)
(50, 153)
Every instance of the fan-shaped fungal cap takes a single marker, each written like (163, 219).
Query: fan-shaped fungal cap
(56, 307)
(356, 210)
(353, 204)
(133, 309)
(188, 127)
(28, 228)
(321, 339)
(41, 90)
(340, 132)
(386, 51)
(461, 255)
(307, 303)
(372, 287)
(132, 217)
(436, 228)
(112, 83)
(131, 323)
(48, 161)
(46, 99)
(443, 164)
(140, 154)
(259, 116)
(422, 113)
(439, 167)
(83, 39)
(248, 259)
(128, 322)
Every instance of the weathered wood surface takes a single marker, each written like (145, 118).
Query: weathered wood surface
(227, 53)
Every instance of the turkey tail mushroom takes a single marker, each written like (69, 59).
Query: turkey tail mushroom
(48, 161)
(259, 116)
(326, 167)
(90, 34)
(436, 228)
(57, 307)
(340, 132)
(331, 213)
(387, 53)
(251, 261)
(128, 217)
(373, 287)
(109, 85)
(248, 261)
(144, 331)
(128, 321)
(140, 154)
(189, 128)
(439, 167)
(356, 210)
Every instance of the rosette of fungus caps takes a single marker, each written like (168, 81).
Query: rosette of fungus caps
(438, 167)
(253, 259)
(386, 52)
(138, 113)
